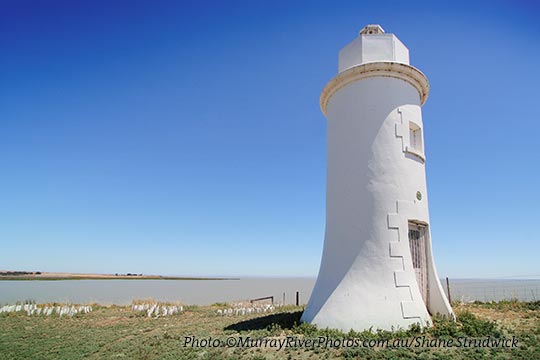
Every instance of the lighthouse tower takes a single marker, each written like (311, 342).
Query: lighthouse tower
(377, 269)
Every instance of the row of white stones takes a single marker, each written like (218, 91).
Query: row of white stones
(157, 310)
(242, 310)
(33, 309)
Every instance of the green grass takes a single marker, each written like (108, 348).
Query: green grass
(509, 305)
(117, 332)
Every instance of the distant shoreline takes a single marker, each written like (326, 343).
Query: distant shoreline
(47, 276)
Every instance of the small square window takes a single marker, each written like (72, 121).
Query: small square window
(415, 138)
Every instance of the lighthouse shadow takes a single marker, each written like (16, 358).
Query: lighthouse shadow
(285, 320)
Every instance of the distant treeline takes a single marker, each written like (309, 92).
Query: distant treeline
(128, 274)
(15, 273)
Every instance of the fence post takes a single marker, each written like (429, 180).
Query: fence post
(297, 298)
(283, 299)
(448, 290)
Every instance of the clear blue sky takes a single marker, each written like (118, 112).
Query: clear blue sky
(186, 138)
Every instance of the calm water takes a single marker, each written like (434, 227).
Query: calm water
(200, 292)
(210, 291)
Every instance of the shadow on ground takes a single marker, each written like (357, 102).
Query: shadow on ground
(284, 320)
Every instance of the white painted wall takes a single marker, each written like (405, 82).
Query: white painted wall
(372, 48)
(366, 279)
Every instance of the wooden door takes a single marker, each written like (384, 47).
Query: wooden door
(417, 244)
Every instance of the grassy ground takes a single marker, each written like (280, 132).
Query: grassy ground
(118, 332)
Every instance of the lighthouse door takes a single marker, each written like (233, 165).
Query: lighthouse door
(417, 244)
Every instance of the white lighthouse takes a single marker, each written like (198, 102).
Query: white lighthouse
(377, 268)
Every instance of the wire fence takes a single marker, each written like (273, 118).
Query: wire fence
(493, 290)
